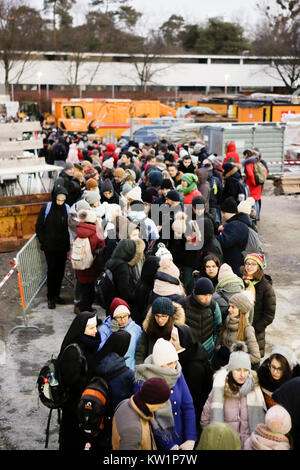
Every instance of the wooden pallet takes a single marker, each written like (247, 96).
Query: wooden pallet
(286, 185)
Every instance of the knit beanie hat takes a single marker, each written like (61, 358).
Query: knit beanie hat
(154, 391)
(90, 173)
(228, 167)
(91, 197)
(163, 252)
(229, 205)
(125, 189)
(173, 195)
(119, 172)
(107, 186)
(163, 352)
(118, 306)
(203, 286)
(278, 419)
(190, 178)
(88, 216)
(155, 177)
(246, 206)
(239, 358)
(241, 301)
(219, 436)
(287, 353)
(224, 270)
(163, 306)
(91, 183)
(198, 200)
(82, 204)
(109, 163)
(135, 194)
(167, 266)
(258, 257)
(166, 184)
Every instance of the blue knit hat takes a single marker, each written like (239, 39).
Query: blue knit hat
(163, 305)
(203, 286)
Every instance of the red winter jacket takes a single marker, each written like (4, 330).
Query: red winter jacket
(84, 229)
(189, 197)
(231, 153)
(255, 191)
(110, 152)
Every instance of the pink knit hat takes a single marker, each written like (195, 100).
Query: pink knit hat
(224, 270)
(278, 420)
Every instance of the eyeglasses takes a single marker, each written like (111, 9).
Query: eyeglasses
(275, 369)
(122, 317)
(250, 264)
(161, 315)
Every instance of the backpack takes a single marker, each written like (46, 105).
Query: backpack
(260, 173)
(93, 406)
(244, 191)
(81, 255)
(51, 391)
(48, 207)
(254, 244)
(105, 288)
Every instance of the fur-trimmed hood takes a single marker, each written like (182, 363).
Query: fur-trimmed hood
(139, 253)
(179, 316)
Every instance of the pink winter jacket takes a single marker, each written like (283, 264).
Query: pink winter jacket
(235, 413)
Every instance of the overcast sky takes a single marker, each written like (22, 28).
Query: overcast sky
(155, 12)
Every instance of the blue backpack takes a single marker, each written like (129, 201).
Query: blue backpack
(48, 207)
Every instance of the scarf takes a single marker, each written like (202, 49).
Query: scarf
(188, 189)
(163, 425)
(255, 400)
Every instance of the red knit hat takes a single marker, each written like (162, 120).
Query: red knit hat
(118, 306)
(90, 173)
(154, 390)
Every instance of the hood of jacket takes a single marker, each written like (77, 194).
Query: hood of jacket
(231, 147)
(112, 362)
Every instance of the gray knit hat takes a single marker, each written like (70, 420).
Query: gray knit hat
(82, 204)
(163, 305)
(241, 301)
(91, 197)
(239, 358)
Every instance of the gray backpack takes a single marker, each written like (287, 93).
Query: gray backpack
(254, 244)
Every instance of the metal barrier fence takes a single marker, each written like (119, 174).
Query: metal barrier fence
(32, 275)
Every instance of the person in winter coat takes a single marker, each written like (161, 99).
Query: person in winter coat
(255, 189)
(54, 238)
(232, 183)
(126, 254)
(288, 396)
(273, 434)
(228, 284)
(134, 418)
(72, 154)
(108, 193)
(143, 288)
(231, 153)
(236, 397)
(185, 165)
(219, 436)
(138, 216)
(120, 320)
(75, 375)
(265, 298)
(176, 422)
(112, 367)
(167, 282)
(111, 153)
(236, 327)
(233, 235)
(278, 368)
(209, 268)
(203, 314)
(188, 187)
(88, 228)
(59, 151)
(204, 186)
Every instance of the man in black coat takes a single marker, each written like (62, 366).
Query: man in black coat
(233, 235)
(67, 180)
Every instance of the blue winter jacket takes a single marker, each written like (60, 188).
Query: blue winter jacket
(133, 329)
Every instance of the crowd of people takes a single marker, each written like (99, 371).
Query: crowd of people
(186, 295)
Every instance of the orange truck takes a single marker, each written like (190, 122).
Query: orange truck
(103, 116)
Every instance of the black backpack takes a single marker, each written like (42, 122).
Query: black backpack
(105, 288)
(93, 407)
(51, 391)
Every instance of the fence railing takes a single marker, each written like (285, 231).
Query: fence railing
(32, 275)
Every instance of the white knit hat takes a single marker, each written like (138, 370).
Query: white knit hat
(164, 352)
(163, 252)
(239, 358)
(87, 216)
(246, 206)
(135, 194)
(109, 163)
(287, 353)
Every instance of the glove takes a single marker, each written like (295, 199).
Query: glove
(187, 445)
(175, 447)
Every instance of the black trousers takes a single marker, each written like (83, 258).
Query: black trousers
(87, 297)
(56, 262)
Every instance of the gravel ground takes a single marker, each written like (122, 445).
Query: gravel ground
(23, 351)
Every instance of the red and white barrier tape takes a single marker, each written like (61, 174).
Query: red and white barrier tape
(285, 162)
(8, 274)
